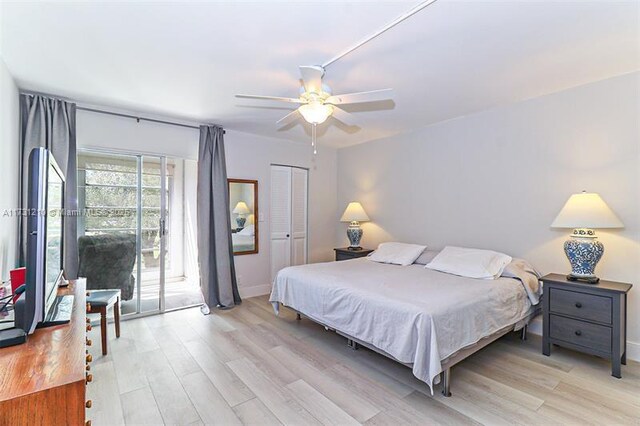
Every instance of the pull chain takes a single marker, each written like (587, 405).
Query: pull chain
(314, 142)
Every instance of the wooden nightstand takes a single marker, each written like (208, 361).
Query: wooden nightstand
(589, 318)
(345, 253)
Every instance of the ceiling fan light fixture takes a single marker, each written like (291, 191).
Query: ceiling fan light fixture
(316, 112)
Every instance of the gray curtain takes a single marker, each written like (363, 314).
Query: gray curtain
(215, 251)
(51, 123)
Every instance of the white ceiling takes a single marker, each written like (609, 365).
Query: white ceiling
(187, 59)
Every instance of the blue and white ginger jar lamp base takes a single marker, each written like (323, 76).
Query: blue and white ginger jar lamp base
(584, 251)
(354, 232)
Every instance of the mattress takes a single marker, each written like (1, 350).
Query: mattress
(243, 242)
(418, 316)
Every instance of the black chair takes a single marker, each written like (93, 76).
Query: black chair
(107, 261)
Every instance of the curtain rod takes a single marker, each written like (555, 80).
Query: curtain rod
(152, 120)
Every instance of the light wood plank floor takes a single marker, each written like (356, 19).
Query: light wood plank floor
(246, 366)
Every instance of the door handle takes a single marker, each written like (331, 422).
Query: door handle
(287, 235)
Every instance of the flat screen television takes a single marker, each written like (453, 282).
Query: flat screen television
(45, 230)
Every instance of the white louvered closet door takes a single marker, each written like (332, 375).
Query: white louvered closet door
(288, 218)
(298, 216)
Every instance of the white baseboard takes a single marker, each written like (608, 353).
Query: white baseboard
(253, 291)
(535, 326)
(633, 348)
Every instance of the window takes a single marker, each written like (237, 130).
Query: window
(107, 192)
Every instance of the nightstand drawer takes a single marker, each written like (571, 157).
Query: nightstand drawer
(347, 254)
(342, 256)
(581, 333)
(580, 305)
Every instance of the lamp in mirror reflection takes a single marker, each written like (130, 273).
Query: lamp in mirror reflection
(241, 210)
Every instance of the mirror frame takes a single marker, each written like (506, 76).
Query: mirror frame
(255, 212)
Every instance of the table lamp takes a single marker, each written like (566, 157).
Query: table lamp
(585, 212)
(354, 213)
(241, 210)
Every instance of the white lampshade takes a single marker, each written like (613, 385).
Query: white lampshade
(316, 112)
(241, 208)
(354, 213)
(586, 210)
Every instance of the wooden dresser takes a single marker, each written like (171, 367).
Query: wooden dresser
(43, 381)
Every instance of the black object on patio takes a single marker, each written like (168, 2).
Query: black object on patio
(107, 261)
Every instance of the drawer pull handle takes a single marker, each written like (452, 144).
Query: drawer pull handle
(578, 333)
(578, 305)
(89, 378)
(88, 404)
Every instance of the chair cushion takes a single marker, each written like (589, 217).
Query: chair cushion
(102, 297)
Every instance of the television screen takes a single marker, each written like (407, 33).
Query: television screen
(44, 238)
(54, 225)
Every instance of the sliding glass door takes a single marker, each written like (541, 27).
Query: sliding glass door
(132, 229)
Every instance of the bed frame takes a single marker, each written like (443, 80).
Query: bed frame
(445, 375)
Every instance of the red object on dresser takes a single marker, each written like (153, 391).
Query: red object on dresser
(18, 277)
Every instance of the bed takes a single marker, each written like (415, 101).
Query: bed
(425, 319)
(243, 242)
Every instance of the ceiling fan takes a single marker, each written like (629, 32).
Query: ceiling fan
(317, 103)
(316, 100)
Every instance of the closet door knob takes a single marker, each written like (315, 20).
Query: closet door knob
(578, 305)
(578, 333)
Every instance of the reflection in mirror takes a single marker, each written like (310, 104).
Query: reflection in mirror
(243, 206)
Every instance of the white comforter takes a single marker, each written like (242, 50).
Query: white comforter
(417, 315)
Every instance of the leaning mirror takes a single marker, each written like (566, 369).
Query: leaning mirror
(243, 206)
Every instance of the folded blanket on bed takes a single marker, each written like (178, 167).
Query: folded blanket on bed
(522, 270)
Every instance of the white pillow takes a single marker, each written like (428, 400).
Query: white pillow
(397, 253)
(248, 230)
(472, 263)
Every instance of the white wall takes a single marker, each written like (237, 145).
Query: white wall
(9, 166)
(497, 179)
(248, 157)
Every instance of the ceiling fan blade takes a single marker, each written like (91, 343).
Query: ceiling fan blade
(272, 98)
(288, 119)
(344, 116)
(360, 97)
(312, 78)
